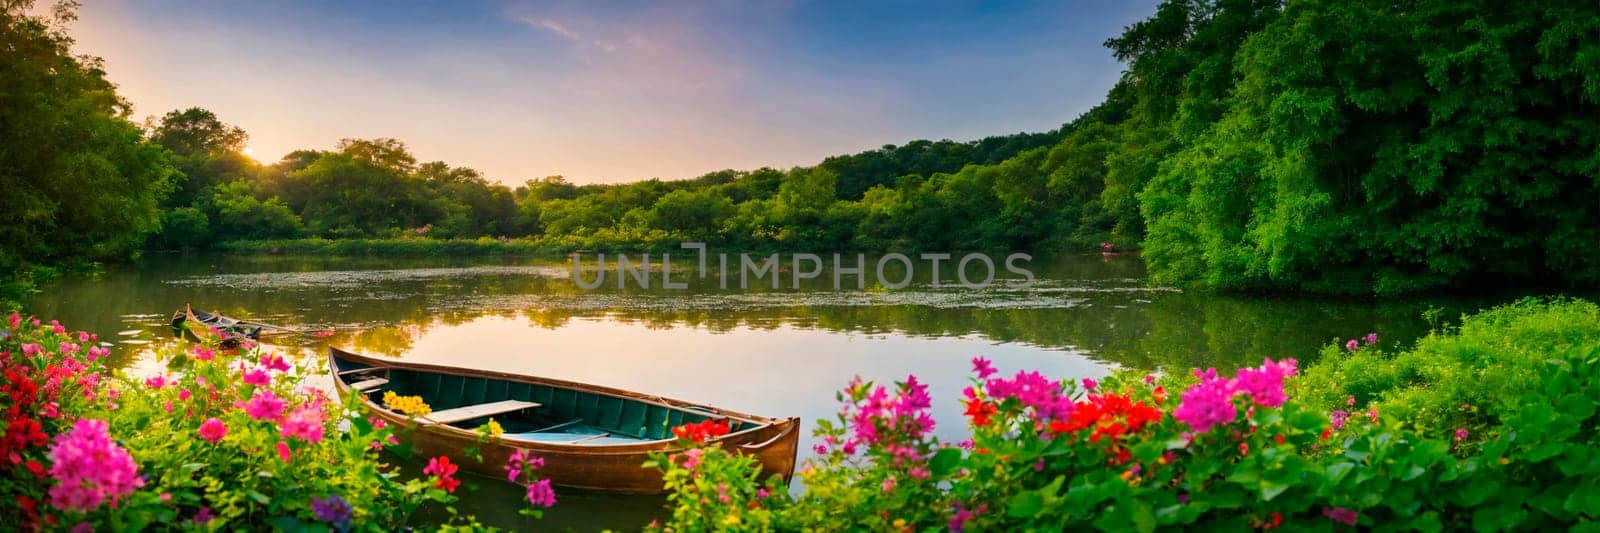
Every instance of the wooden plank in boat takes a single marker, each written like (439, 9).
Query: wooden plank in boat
(449, 416)
(370, 384)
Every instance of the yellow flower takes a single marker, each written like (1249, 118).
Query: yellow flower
(731, 520)
(494, 428)
(411, 405)
(899, 523)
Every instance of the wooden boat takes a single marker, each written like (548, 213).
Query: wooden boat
(235, 328)
(591, 437)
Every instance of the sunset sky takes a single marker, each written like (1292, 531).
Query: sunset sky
(611, 91)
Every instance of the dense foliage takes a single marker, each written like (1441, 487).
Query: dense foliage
(1216, 452)
(79, 181)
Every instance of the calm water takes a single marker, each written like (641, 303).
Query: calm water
(772, 352)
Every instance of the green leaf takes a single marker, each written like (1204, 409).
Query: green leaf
(1025, 505)
(259, 497)
(944, 462)
(1585, 499)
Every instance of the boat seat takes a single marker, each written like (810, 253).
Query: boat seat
(469, 412)
(368, 385)
(562, 425)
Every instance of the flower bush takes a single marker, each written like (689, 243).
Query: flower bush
(224, 438)
(1236, 451)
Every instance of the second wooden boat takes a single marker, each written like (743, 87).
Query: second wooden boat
(591, 437)
(189, 316)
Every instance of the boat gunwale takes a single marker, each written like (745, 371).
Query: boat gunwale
(760, 422)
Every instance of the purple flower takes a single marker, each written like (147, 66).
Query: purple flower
(1341, 515)
(1337, 418)
(1372, 338)
(203, 515)
(333, 510)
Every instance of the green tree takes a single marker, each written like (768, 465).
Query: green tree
(80, 180)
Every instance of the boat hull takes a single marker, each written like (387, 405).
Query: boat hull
(615, 468)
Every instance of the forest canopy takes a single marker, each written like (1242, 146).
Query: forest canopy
(1334, 146)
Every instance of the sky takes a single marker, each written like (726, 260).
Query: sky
(606, 91)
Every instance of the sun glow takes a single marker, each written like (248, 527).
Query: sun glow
(249, 152)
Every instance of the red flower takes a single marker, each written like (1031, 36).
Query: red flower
(702, 431)
(440, 467)
(980, 411)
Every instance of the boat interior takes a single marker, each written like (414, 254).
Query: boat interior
(530, 412)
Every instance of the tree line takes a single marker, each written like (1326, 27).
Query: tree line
(1359, 147)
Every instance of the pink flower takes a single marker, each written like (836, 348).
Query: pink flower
(1372, 338)
(88, 467)
(276, 363)
(184, 394)
(155, 382)
(257, 377)
(1338, 419)
(212, 430)
(1350, 401)
(305, 423)
(283, 451)
(96, 352)
(31, 349)
(264, 406)
(1352, 345)
(1462, 434)
(203, 353)
(919, 472)
(820, 449)
(888, 484)
(1090, 384)
(691, 458)
(982, 367)
(1264, 384)
(1149, 379)
(15, 320)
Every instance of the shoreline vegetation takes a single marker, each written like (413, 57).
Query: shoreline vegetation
(1477, 427)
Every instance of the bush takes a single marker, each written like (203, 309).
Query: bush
(1471, 377)
(1225, 453)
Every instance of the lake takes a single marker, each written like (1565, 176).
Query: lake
(774, 352)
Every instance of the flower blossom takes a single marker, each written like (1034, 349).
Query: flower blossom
(333, 510)
(88, 467)
(305, 423)
(541, 494)
(441, 468)
(982, 367)
(1341, 515)
(212, 430)
(264, 405)
(257, 377)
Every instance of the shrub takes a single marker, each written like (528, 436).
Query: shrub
(1471, 377)
(1236, 452)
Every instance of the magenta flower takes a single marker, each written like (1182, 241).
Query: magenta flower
(203, 353)
(820, 449)
(1352, 345)
(264, 406)
(276, 363)
(1341, 515)
(1264, 384)
(1090, 383)
(888, 484)
(541, 494)
(1207, 403)
(1372, 338)
(212, 430)
(691, 458)
(982, 367)
(88, 467)
(283, 451)
(1462, 434)
(155, 382)
(257, 377)
(1149, 379)
(203, 515)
